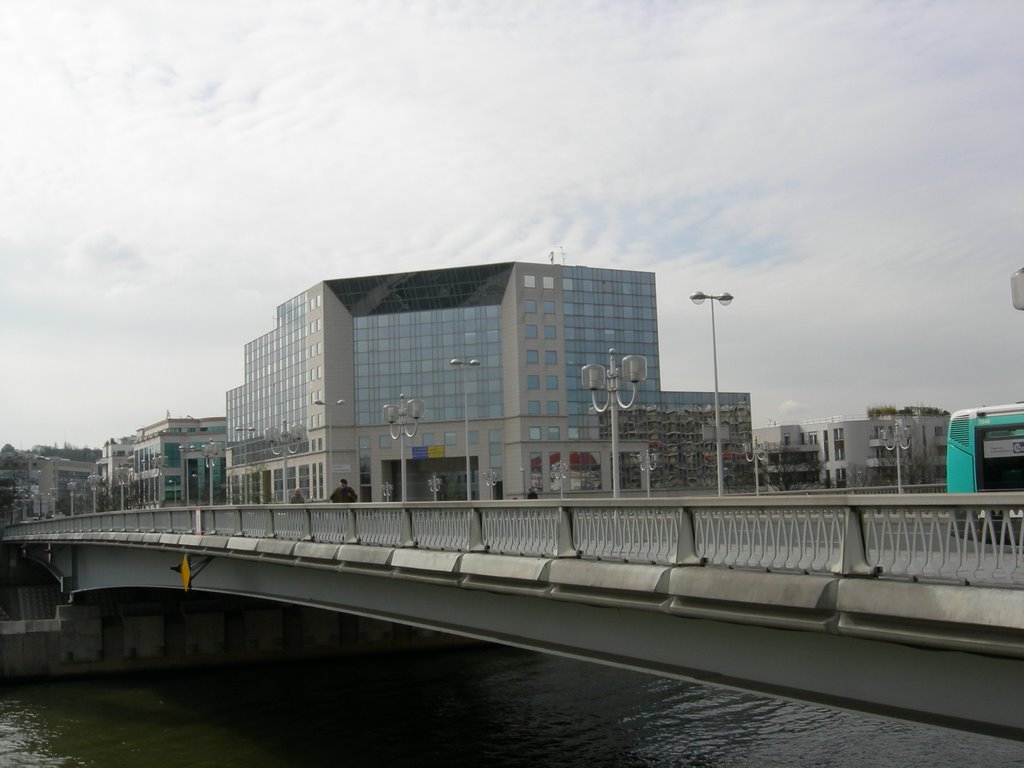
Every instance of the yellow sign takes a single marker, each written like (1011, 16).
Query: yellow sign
(435, 452)
(186, 573)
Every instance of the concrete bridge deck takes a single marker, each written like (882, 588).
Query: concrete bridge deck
(905, 605)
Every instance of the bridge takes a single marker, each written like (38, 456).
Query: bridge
(905, 606)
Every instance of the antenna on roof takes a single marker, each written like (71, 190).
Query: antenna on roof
(563, 254)
(551, 256)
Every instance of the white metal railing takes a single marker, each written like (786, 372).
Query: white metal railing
(962, 538)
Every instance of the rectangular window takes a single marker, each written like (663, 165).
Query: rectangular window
(530, 331)
(532, 357)
(529, 281)
(535, 433)
(533, 407)
(549, 307)
(553, 433)
(530, 306)
(550, 332)
(552, 407)
(549, 282)
(533, 382)
(550, 357)
(551, 382)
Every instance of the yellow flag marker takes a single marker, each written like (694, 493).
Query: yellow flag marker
(185, 571)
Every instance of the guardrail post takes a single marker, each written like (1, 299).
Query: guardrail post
(563, 543)
(686, 547)
(406, 534)
(476, 528)
(852, 558)
(353, 531)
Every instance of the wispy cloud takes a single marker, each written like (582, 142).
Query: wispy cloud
(850, 171)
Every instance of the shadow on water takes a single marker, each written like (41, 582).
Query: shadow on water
(481, 707)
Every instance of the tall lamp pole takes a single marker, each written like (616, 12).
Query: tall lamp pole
(245, 459)
(404, 418)
(756, 454)
(330, 456)
(211, 452)
(596, 377)
(725, 299)
(461, 364)
(900, 442)
(284, 442)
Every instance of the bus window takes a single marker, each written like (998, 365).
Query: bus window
(1002, 463)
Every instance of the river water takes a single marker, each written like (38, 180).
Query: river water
(480, 707)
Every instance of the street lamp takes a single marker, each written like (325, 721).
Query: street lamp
(404, 418)
(72, 487)
(386, 490)
(159, 462)
(560, 472)
(211, 452)
(330, 458)
(756, 454)
(434, 484)
(900, 442)
(725, 299)
(596, 377)
(490, 478)
(284, 442)
(245, 459)
(648, 462)
(122, 480)
(461, 364)
(94, 482)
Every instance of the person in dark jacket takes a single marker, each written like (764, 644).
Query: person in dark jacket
(344, 493)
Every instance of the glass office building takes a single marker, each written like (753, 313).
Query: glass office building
(343, 349)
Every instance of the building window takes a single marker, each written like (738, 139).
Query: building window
(449, 438)
(551, 382)
(552, 407)
(550, 357)
(550, 332)
(530, 305)
(532, 357)
(535, 433)
(529, 281)
(549, 307)
(553, 433)
(533, 408)
(530, 330)
(549, 282)
(533, 382)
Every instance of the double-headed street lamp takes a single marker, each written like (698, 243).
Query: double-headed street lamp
(403, 420)
(725, 299)
(211, 452)
(900, 441)
(330, 456)
(462, 364)
(596, 377)
(94, 483)
(648, 463)
(245, 459)
(756, 454)
(284, 442)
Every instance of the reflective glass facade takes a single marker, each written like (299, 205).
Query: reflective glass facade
(411, 354)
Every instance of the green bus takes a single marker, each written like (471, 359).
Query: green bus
(985, 449)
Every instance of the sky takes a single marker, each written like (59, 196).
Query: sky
(851, 171)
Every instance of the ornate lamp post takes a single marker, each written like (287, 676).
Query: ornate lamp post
(897, 438)
(123, 474)
(756, 454)
(72, 487)
(725, 299)
(330, 456)
(560, 472)
(490, 478)
(211, 452)
(386, 490)
(159, 462)
(648, 462)
(434, 484)
(403, 420)
(285, 442)
(94, 483)
(245, 460)
(596, 377)
(461, 364)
